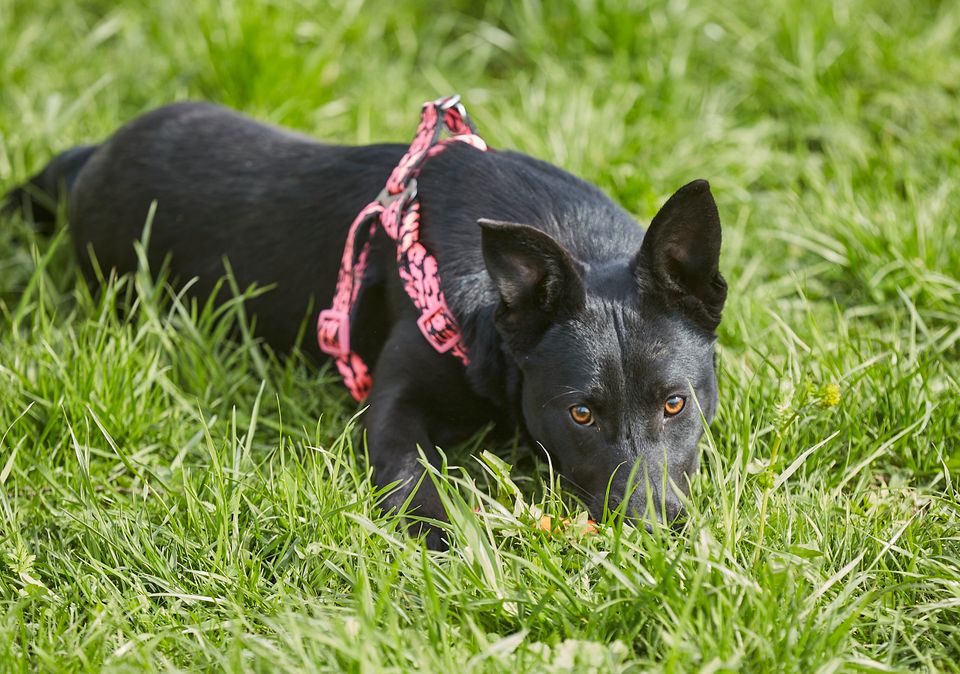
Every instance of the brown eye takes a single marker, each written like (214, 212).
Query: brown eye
(581, 414)
(673, 405)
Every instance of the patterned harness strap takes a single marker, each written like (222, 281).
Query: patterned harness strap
(397, 211)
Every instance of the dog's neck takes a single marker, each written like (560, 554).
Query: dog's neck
(493, 372)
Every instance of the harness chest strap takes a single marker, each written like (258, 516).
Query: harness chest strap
(397, 211)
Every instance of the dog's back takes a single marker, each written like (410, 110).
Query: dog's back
(277, 205)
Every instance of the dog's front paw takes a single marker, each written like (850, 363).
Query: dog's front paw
(425, 505)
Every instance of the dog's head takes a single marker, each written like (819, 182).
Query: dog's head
(617, 362)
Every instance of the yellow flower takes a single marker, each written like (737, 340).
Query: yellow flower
(829, 395)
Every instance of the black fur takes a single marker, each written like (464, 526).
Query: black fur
(561, 298)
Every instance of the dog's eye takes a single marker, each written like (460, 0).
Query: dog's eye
(581, 414)
(673, 406)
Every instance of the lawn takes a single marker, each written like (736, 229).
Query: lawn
(172, 498)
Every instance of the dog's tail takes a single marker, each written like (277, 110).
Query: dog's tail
(38, 198)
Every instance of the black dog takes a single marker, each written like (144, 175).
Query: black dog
(596, 339)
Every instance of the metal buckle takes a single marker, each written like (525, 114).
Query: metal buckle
(408, 193)
(342, 319)
(440, 344)
(448, 102)
(453, 101)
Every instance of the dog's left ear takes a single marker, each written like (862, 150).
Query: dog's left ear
(680, 254)
(537, 279)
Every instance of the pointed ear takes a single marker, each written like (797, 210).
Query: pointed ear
(680, 254)
(537, 279)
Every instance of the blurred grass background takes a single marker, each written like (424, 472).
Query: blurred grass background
(172, 500)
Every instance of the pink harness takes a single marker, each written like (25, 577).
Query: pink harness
(397, 210)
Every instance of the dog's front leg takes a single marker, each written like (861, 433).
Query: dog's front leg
(395, 431)
(418, 397)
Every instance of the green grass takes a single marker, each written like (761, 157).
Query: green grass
(171, 499)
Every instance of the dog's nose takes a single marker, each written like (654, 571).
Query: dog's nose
(669, 511)
(677, 517)
(673, 511)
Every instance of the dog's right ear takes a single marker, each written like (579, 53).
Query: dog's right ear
(537, 279)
